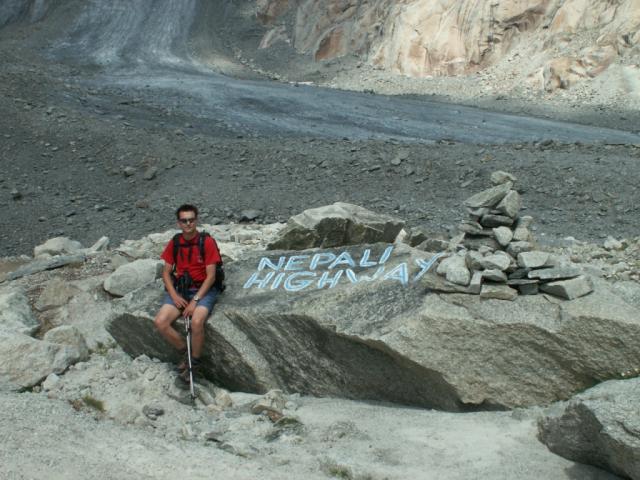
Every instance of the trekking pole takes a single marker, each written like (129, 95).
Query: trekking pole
(187, 325)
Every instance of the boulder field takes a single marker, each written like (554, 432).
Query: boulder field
(361, 321)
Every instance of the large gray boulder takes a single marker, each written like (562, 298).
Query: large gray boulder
(15, 312)
(132, 276)
(600, 427)
(336, 225)
(89, 314)
(25, 361)
(56, 293)
(361, 322)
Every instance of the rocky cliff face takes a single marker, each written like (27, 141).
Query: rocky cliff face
(567, 39)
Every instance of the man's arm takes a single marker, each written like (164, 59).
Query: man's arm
(168, 284)
(204, 288)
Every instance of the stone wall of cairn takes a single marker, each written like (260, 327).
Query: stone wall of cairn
(496, 256)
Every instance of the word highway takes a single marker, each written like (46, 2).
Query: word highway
(324, 270)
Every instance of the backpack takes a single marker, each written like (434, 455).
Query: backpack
(219, 281)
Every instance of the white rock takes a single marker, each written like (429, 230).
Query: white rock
(533, 259)
(510, 204)
(569, 289)
(612, 244)
(57, 246)
(68, 335)
(499, 177)
(498, 292)
(100, 246)
(51, 382)
(497, 260)
(56, 293)
(132, 276)
(457, 271)
(25, 361)
(503, 235)
(15, 312)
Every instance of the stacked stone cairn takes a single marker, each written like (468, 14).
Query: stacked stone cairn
(495, 255)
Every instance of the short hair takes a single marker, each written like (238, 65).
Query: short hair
(186, 208)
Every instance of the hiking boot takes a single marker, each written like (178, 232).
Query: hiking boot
(183, 376)
(184, 363)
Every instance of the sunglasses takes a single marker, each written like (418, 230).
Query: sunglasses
(187, 221)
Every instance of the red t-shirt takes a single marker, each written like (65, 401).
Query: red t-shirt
(189, 258)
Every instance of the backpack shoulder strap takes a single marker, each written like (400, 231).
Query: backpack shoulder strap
(176, 248)
(203, 236)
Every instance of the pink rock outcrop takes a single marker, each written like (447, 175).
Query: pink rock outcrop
(449, 37)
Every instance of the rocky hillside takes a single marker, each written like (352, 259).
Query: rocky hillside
(568, 40)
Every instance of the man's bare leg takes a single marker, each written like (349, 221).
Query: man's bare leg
(163, 323)
(198, 320)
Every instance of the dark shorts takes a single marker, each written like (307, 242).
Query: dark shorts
(207, 301)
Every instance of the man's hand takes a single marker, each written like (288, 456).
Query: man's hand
(188, 311)
(179, 302)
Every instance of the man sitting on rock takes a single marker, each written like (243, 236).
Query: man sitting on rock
(198, 268)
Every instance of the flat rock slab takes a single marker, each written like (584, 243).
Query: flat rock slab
(490, 197)
(569, 289)
(42, 264)
(363, 322)
(556, 273)
(533, 259)
(498, 292)
(600, 427)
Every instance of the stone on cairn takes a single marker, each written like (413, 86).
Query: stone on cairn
(499, 177)
(499, 258)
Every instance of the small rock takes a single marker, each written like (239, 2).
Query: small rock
(494, 275)
(15, 194)
(474, 260)
(525, 287)
(499, 177)
(498, 292)
(555, 273)
(496, 261)
(153, 411)
(492, 220)
(515, 248)
(475, 285)
(569, 289)
(490, 197)
(473, 228)
(521, 234)
(250, 215)
(129, 171)
(150, 173)
(532, 259)
(457, 271)
(51, 382)
(612, 244)
(272, 401)
(510, 204)
(503, 235)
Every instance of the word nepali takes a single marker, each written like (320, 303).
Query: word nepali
(298, 272)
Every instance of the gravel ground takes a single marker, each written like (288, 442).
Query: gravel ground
(73, 169)
(83, 158)
(340, 439)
